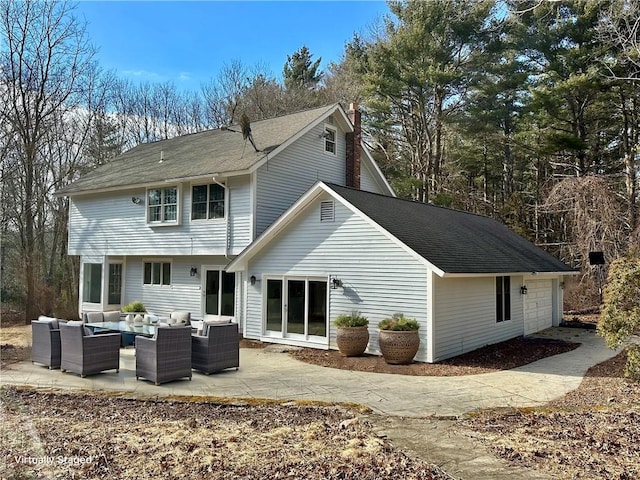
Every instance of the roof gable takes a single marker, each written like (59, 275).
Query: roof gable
(456, 242)
(448, 241)
(208, 153)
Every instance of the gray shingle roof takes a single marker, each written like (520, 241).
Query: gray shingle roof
(199, 154)
(452, 240)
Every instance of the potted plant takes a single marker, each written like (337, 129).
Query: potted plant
(353, 334)
(134, 310)
(398, 339)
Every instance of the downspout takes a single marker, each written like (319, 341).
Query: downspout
(226, 216)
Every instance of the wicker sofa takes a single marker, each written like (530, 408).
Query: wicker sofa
(166, 356)
(218, 348)
(45, 341)
(86, 354)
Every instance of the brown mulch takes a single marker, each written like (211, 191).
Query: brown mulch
(501, 356)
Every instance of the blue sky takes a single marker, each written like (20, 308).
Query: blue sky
(189, 42)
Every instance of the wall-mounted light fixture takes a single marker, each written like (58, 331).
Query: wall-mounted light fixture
(335, 283)
(523, 289)
(253, 280)
(136, 200)
(193, 272)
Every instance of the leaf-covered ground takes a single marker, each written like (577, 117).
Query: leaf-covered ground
(92, 436)
(590, 433)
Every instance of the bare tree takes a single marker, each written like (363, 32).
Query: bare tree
(619, 29)
(45, 64)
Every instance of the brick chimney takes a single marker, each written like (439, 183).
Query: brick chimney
(353, 148)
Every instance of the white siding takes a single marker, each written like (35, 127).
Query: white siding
(464, 316)
(283, 179)
(370, 181)
(111, 224)
(379, 278)
(538, 306)
(184, 293)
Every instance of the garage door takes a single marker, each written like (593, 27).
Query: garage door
(538, 310)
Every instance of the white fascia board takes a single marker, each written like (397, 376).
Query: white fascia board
(240, 262)
(139, 186)
(508, 274)
(304, 131)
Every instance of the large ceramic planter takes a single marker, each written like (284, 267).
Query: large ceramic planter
(352, 341)
(398, 347)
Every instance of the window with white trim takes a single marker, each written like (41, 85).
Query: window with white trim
(115, 284)
(330, 140)
(207, 201)
(157, 273)
(503, 299)
(92, 283)
(162, 205)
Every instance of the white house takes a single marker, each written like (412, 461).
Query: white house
(285, 238)
(467, 279)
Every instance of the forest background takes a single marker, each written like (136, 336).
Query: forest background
(524, 111)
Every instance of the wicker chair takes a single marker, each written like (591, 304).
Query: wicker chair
(166, 356)
(216, 350)
(45, 346)
(86, 354)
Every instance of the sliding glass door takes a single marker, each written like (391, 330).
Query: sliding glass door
(296, 307)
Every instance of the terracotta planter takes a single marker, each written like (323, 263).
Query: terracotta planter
(398, 347)
(352, 341)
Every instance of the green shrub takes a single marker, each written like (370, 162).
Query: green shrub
(621, 312)
(135, 307)
(355, 319)
(399, 323)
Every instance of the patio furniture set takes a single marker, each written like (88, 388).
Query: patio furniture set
(164, 352)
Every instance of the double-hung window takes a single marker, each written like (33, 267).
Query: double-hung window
(207, 201)
(330, 140)
(162, 205)
(157, 273)
(503, 299)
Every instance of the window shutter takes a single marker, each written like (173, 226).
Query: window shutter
(327, 211)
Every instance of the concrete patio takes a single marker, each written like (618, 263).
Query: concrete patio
(272, 374)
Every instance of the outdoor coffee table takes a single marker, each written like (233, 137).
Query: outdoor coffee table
(127, 330)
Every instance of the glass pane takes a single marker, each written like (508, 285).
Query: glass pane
(199, 193)
(155, 274)
(212, 288)
(166, 274)
(317, 313)
(216, 192)
(170, 195)
(154, 197)
(295, 308)
(171, 213)
(147, 273)
(216, 209)
(499, 312)
(199, 202)
(92, 282)
(154, 214)
(507, 298)
(274, 305)
(228, 293)
(115, 283)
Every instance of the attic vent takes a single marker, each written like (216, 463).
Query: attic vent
(327, 211)
(330, 120)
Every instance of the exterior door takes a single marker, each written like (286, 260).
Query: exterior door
(218, 293)
(296, 308)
